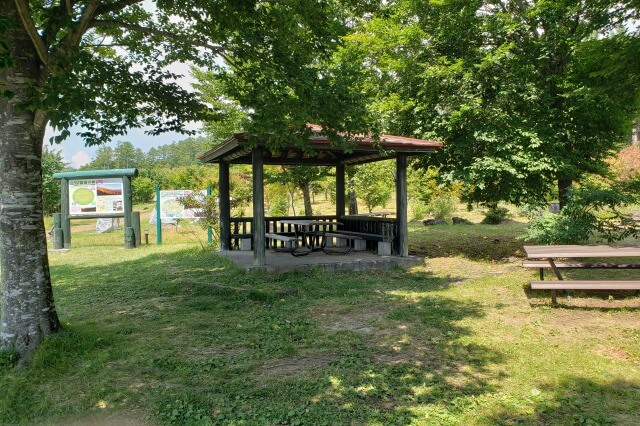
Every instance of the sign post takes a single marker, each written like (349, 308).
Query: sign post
(96, 194)
(158, 219)
(209, 230)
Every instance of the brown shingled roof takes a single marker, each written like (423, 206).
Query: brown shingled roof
(237, 149)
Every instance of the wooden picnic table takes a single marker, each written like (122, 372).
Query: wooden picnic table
(559, 251)
(309, 233)
(554, 256)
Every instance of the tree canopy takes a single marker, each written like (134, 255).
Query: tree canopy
(524, 94)
(101, 65)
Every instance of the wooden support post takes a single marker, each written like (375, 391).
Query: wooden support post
(401, 206)
(225, 206)
(64, 207)
(340, 190)
(158, 219)
(128, 200)
(129, 238)
(209, 230)
(58, 241)
(554, 268)
(135, 224)
(259, 239)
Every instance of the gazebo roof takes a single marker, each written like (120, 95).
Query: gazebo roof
(237, 150)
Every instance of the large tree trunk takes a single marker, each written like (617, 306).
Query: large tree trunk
(28, 310)
(353, 202)
(306, 194)
(564, 185)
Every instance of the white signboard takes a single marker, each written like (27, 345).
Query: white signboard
(95, 196)
(170, 207)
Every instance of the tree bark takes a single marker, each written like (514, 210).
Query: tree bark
(28, 310)
(306, 193)
(353, 202)
(564, 185)
(292, 199)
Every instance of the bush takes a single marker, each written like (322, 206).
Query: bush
(592, 212)
(143, 190)
(442, 206)
(206, 207)
(279, 205)
(419, 210)
(495, 215)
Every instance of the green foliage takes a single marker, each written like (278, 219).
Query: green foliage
(206, 208)
(429, 196)
(593, 213)
(143, 189)
(495, 215)
(8, 359)
(419, 210)
(229, 116)
(178, 154)
(245, 348)
(522, 93)
(181, 412)
(442, 206)
(102, 95)
(298, 178)
(279, 204)
(6, 60)
(374, 183)
(51, 163)
(422, 184)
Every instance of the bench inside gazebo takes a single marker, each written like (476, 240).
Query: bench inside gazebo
(386, 235)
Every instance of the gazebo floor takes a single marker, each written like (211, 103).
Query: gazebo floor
(354, 261)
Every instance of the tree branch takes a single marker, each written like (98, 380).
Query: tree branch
(25, 16)
(115, 7)
(84, 22)
(58, 14)
(157, 32)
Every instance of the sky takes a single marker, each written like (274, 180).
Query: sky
(76, 154)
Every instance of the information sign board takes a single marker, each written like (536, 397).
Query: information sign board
(170, 207)
(95, 196)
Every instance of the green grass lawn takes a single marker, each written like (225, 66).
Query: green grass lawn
(174, 334)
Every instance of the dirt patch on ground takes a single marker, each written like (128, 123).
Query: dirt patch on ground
(392, 342)
(292, 367)
(611, 352)
(582, 317)
(465, 269)
(198, 352)
(336, 317)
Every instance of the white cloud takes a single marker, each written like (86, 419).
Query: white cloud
(79, 159)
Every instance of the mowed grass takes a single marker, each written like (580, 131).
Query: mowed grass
(174, 334)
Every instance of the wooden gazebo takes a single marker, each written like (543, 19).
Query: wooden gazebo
(238, 149)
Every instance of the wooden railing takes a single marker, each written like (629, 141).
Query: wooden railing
(241, 227)
(387, 227)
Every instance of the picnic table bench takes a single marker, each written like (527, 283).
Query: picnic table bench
(309, 237)
(551, 254)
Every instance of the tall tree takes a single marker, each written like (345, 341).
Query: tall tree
(60, 66)
(524, 93)
(102, 160)
(374, 183)
(300, 177)
(126, 155)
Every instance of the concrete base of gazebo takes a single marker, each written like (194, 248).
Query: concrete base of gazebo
(354, 261)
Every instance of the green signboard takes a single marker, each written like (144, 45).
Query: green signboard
(96, 194)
